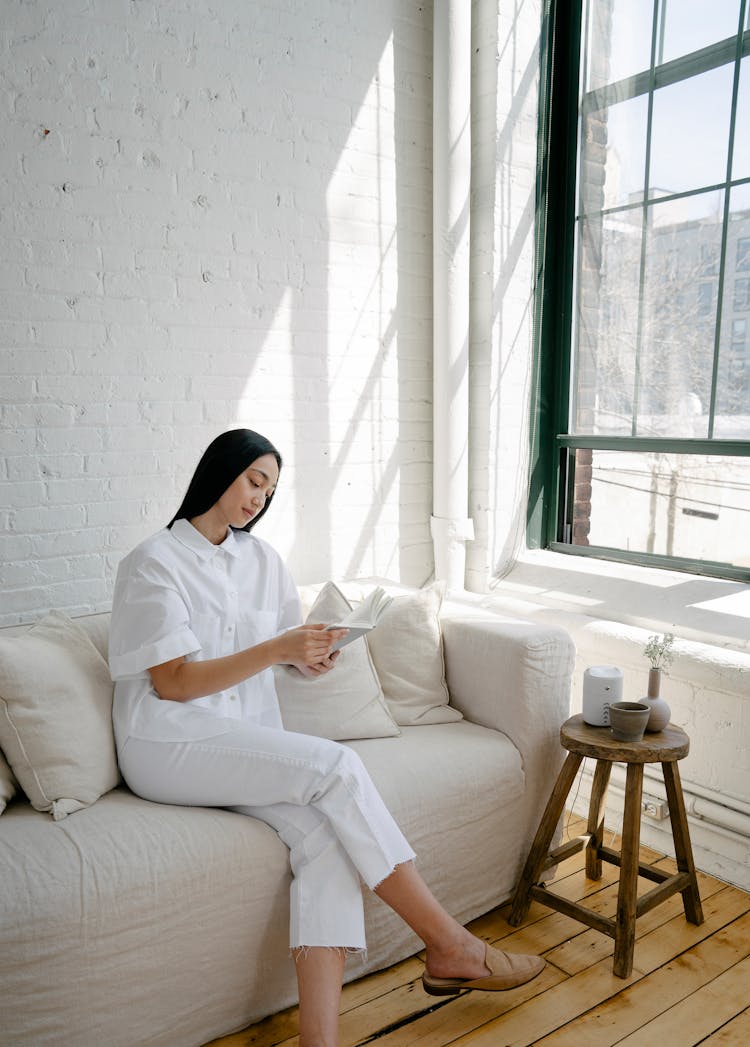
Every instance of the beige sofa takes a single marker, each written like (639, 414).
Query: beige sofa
(128, 923)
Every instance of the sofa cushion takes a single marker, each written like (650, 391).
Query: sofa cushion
(343, 704)
(7, 784)
(407, 650)
(56, 715)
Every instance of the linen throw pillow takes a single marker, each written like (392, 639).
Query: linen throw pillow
(343, 704)
(56, 716)
(7, 784)
(407, 649)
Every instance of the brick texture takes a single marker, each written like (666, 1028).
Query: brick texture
(213, 215)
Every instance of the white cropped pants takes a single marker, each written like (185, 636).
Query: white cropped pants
(315, 793)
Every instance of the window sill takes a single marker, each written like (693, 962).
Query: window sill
(711, 611)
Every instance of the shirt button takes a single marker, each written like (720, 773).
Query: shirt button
(233, 697)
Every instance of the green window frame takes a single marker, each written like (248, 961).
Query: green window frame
(557, 450)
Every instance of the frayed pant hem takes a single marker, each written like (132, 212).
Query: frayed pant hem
(406, 861)
(298, 952)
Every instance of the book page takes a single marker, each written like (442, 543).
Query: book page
(362, 618)
(366, 615)
(353, 634)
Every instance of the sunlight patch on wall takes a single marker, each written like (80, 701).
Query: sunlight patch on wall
(268, 404)
(361, 203)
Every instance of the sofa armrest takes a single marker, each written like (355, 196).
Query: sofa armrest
(514, 676)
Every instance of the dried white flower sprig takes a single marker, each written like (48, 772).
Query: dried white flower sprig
(658, 650)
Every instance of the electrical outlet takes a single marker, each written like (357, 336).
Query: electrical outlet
(653, 808)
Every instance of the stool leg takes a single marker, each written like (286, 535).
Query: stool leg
(683, 850)
(544, 834)
(627, 897)
(595, 826)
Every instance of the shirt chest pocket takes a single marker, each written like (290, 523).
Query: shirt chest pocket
(220, 636)
(253, 627)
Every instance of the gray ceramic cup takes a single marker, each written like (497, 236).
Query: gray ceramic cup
(627, 720)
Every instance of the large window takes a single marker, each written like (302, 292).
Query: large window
(643, 446)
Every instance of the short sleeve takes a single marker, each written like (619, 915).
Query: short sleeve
(150, 620)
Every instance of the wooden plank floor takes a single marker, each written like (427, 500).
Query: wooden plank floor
(690, 985)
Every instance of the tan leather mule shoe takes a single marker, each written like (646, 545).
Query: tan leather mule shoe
(507, 971)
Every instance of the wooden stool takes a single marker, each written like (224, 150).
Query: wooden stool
(665, 747)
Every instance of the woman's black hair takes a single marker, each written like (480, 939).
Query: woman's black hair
(222, 462)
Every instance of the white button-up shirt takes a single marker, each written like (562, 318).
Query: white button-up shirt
(178, 594)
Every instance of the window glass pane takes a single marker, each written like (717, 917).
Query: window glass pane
(609, 252)
(620, 40)
(741, 153)
(694, 506)
(690, 132)
(680, 297)
(613, 171)
(733, 379)
(690, 25)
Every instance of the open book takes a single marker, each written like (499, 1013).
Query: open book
(363, 618)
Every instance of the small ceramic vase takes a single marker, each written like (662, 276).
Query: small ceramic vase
(660, 711)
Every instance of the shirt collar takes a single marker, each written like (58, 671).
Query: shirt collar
(192, 539)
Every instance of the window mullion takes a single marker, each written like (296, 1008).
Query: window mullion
(669, 73)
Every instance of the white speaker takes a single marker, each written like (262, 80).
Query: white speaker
(602, 685)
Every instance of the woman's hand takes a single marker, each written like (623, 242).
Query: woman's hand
(309, 645)
(313, 671)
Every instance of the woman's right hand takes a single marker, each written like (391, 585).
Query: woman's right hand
(307, 644)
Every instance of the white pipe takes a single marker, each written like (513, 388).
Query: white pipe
(713, 808)
(451, 163)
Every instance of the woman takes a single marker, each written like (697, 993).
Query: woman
(202, 611)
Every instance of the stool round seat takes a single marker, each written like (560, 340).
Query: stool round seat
(661, 747)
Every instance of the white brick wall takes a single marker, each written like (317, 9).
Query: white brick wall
(212, 215)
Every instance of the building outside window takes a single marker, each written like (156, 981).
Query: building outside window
(743, 250)
(648, 452)
(741, 295)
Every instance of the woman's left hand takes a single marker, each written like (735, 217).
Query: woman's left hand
(320, 668)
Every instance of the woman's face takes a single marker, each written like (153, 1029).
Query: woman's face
(246, 497)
